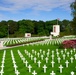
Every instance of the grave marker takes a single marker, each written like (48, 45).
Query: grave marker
(39, 63)
(61, 67)
(67, 63)
(44, 68)
(34, 73)
(29, 68)
(52, 73)
(52, 63)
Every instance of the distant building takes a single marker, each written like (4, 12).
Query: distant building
(56, 30)
(27, 34)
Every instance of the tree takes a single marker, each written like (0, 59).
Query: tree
(13, 26)
(3, 29)
(73, 23)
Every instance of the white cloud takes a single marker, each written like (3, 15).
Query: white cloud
(43, 5)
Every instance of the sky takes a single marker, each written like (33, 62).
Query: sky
(35, 10)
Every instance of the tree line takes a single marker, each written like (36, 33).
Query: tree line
(36, 28)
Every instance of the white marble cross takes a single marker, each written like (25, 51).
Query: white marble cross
(61, 51)
(14, 62)
(48, 50)
(44, 68)
(35, 59)
(15, 67)
(68, 54)
(43, 52)
(75, 56)
(2, 65)
(17, 73)
(52, 73)
(32, 51)
(59, 59)
(1, 72)
(74, 49)
(52, 56)
(38, 54)
(56, 50)
(26, 62)
(71, 59)
(52, 63)
(29, 67)
(71, 51)
(34, 73)
(61, 67)
(65, 50)
(52, 52)
(42, 57)
(39, 63)
(47, 54)
(64, 56)
(57, 54)
(35, 52)
(46, 59)
(66, 63)
(31, 57)
(40, 50)
(72, 73)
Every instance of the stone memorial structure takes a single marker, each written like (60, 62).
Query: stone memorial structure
(56, 30)
(27, 34)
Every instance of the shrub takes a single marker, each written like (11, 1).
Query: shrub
(69, 44)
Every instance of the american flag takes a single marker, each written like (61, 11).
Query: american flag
(58, 18)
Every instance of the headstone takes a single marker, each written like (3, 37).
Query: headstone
(52, 63)
(34, 73)
(27, 35)
(29, 68)
(61, 67)
(42, 57)
(52, 73)
(44, 68)
(1, 44)
(59, 59)
(26, 63)
(50, 37)
(46, 59)
(17, 73)
(35, 59)
(67, 63)
(39, 63)
(72, 73)
(1, 72)
(75, 56)
(71, 59)
(64, 56)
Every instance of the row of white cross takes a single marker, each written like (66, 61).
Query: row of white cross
(3, 61)
(44, 67)
(51, 42)
(48, 54)
(35, 61)
(20, 40)
(14, 63)
(26, 63)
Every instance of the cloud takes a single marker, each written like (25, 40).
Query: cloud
(39, 5)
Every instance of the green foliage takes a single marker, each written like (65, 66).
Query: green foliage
(37, 28)
(73, 23)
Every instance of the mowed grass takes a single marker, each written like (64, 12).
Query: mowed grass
(9, 69)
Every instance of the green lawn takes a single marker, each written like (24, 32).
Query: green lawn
(9, 69)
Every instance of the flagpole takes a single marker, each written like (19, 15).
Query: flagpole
(57, 21)
(8, 30)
